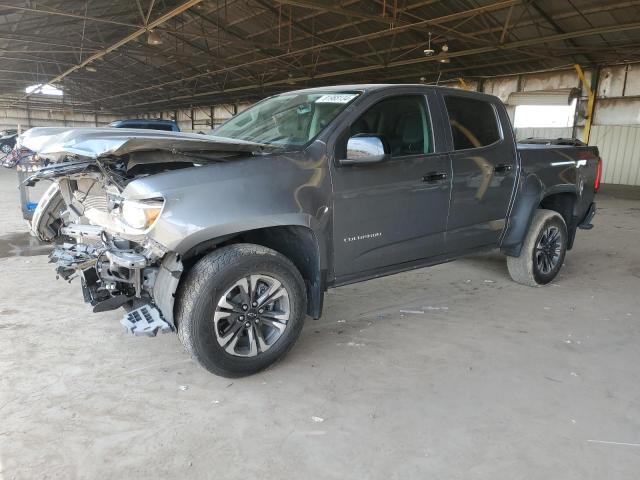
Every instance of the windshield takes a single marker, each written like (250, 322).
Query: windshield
(288, 120)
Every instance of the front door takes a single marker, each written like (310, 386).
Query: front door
(483, 161)
(394, 211)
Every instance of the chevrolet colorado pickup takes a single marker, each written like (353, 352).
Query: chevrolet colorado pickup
(232, 239)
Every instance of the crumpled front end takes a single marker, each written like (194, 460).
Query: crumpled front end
(105, 225)
(115, 272)
(102, 240)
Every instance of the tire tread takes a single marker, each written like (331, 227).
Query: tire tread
(191, 288)
(521, 267)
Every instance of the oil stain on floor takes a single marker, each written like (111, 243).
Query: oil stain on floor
(22, 244)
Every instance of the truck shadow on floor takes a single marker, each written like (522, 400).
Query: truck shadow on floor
(493, 262)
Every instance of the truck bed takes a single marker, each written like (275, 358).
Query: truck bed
(563, 169)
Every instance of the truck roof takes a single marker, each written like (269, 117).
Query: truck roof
(370, 87)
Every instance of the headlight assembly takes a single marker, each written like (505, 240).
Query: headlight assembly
(141, 214)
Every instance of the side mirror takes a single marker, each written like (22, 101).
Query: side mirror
(364, 149)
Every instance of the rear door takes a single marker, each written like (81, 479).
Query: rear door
(483, 160)
(392, 212)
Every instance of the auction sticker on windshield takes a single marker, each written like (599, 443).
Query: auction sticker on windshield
(337, 98)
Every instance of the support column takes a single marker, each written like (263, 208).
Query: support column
(592, 92)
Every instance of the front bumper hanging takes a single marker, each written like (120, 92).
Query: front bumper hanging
(113, 274)
(145, 321)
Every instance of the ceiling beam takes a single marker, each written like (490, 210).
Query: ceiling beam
(463, 53)
(141, 31)
(517, 23)
(321, 46)
(543, 13)
(66, 14)
(330, 6)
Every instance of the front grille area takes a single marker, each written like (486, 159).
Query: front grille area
(91, 194)
(99, 202)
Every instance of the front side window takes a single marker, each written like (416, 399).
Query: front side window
(401, 121)
(288, 120)
(473, 122)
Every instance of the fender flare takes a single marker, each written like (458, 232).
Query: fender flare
(530, 193)
(298, 242)
(528, 197)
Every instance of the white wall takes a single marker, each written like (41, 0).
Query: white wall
(619, 147)
(200, 119)
(551, 132)
(616, 122)
(11, 118)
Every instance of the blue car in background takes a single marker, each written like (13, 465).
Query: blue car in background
(147, 123)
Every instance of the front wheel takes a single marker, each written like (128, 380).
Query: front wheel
(5, 148)
(543, 250)
(240, 308)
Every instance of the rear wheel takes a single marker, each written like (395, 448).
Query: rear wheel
(5, 148)
(240, 309)
(543, 250)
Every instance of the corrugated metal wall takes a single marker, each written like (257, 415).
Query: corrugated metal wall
(201, 119)
(616, 126)
(11, 118)
(189, 120)
(619, 147)
(555, 132)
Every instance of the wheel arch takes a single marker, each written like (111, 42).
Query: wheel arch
(564, 203)
(298, 243)
(531, 196)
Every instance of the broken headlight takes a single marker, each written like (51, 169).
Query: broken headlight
(141, 214)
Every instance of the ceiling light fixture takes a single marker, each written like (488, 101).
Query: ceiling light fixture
(429, 51)
(90, 68)
(153, 38)
(443, 54)
(43, 89)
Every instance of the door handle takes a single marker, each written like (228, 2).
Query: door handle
(433, 177)
(502, 168)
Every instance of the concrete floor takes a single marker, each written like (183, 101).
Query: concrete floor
(451, 372)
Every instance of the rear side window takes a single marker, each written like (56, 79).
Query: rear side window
(473, 122)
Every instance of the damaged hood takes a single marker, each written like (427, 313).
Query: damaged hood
(57, 143)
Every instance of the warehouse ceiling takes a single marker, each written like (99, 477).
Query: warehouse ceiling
(151, 55)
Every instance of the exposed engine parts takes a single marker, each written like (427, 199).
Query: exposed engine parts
(117, 273)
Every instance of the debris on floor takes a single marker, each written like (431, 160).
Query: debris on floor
(604, 442)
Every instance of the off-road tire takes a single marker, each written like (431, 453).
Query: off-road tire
(524, 269)
(201, 290)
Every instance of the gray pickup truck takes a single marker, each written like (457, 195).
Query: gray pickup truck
(232, 239)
